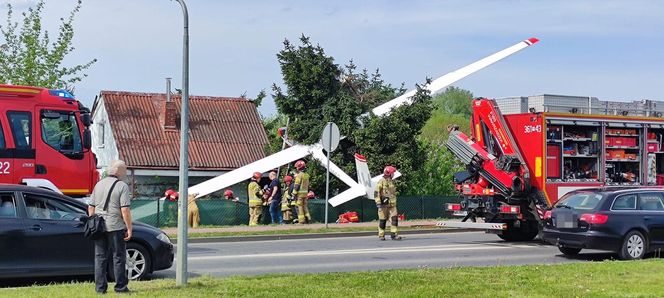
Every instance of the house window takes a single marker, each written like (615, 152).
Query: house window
(102, 134)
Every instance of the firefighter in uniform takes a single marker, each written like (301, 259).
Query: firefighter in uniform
(228, 195)
(255, 202)
(193, 214)
(300, 191)
(385, 196)
(286, 200)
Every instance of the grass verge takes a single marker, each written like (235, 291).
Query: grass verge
(600, 279)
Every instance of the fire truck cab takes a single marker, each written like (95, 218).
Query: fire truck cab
(45, 140)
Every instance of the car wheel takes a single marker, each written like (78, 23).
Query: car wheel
(634, 246)
(569, 251)
(138, 261)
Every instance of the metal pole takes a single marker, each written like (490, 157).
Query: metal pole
(327, 180)
(181, 271)
(168, 99)
(157, 212)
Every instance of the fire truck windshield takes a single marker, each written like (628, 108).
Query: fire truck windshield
(60, 130)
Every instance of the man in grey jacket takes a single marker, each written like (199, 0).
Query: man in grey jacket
(117, 218)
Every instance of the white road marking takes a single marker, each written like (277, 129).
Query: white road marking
(409, 236)
(380, 250)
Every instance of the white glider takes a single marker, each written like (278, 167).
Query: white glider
(356, 189)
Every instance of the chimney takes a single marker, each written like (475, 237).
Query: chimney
(169, 111)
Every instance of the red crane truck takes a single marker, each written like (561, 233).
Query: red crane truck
(45, 140)
(519, 164)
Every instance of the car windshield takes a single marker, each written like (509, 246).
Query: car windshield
(580, 200)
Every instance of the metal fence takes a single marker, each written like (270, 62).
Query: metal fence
(219, 212)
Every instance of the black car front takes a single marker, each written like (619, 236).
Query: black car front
(578, 221)
(161, 247)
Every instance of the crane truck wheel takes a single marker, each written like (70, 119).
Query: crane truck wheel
(527, 232)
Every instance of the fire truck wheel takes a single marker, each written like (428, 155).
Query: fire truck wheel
(527, 232)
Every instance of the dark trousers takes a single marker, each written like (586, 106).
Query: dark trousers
(275, 212)
(111, 246)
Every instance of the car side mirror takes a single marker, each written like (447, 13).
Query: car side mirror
(82, 218)
(87, 138)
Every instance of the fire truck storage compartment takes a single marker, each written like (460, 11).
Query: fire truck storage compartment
(623, 153)
(573, 148)
(655, 151)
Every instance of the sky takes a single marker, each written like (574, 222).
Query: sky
(608, 49)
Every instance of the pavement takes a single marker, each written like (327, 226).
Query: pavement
(403, 223)
(414, 227)
(317, 255)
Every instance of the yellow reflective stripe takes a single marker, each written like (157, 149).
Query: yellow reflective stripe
(478, 134)
(75, 190)
(538, 167)
(19, 90)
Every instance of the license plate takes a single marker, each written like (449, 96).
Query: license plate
(460, 213)
(565, 221)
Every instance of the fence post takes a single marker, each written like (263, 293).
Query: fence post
(157, 212)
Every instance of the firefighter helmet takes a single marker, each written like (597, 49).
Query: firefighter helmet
(300, 164)
(389, 171)
(311, 195)
(228, 193)
(288, 179)
(171, 195)
(257, 175)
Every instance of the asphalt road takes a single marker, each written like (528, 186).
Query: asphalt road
(367, 253)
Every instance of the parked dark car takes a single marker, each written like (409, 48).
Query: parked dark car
(628, 221)
(41, 234)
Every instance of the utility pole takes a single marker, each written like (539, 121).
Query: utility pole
(181, 271)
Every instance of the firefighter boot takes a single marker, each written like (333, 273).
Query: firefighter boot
(394, 228)
(381, 229)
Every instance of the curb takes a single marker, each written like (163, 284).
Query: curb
(318, 235)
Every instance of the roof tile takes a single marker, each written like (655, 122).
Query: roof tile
(225, 132)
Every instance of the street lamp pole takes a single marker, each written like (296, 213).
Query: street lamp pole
(181, 272)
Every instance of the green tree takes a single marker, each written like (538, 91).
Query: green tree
(455, 101)
(392, 139)
(435, 176)
(318, 91)
(452, 107)
(29, 57)
(271, 125)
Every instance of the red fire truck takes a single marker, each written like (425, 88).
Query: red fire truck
(525, 153)
(45, 140)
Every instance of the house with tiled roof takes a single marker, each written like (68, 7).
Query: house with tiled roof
(143, 129)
